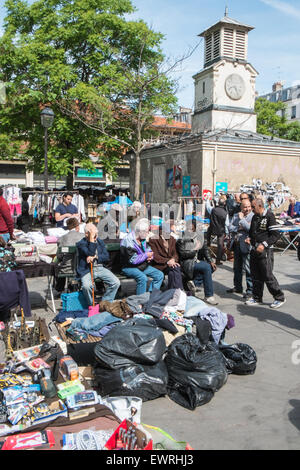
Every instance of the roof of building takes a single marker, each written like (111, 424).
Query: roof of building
(163, 122)
(227, 21)
(224, 135)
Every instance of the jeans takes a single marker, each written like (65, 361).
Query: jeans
(141, 278)
(5, 236)
(203, 274)
(110, 280)
(241, 263)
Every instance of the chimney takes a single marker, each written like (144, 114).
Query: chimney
(277, 86)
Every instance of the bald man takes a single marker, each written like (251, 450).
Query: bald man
(263, 235)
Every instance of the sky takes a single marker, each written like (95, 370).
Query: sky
(273, 45)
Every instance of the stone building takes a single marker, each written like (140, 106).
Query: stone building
(223, 150)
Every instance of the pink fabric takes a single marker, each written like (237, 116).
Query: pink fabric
(93, 310)
(51, 239)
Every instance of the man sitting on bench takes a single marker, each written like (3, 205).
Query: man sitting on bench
(93, 250)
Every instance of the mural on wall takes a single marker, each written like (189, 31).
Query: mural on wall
(195, 190)
(186, 186)
(278, 190)
(177, 177)
(207, 195)
(170, 178)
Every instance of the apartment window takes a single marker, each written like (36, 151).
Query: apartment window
(203, 88)
(293, 112)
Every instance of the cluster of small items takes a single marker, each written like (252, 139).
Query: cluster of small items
(26, 387)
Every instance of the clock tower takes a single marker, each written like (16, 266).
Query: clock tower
(225, 88)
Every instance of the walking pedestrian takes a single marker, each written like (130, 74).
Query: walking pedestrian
(263, 235)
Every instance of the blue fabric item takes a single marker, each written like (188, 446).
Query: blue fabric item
(94, 323)
(14, 291)
(63, 315)
(85, 249)
(62, 209)
(193, 306)
(5, 236)
(98, 334)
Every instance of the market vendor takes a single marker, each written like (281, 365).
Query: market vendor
(65, 210)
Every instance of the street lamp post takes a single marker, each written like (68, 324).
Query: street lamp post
(47, 117)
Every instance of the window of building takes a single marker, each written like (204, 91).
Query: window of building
(203, 88)
(293, 112)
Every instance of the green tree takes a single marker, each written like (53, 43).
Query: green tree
(54, 52)
(271, 119)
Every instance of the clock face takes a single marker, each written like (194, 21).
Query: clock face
(235, 86)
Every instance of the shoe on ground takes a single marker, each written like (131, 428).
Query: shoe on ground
(234, 290)
(218, 263)
(191, 287)
(277, 303)
(210, 300)
(252, 301)
(247, 296)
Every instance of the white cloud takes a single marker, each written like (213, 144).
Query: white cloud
(283, 7)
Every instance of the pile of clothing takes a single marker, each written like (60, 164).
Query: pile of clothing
(160, 343)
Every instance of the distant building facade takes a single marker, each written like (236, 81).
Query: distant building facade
(290, 96)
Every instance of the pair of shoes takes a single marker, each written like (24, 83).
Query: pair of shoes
(234, 290)
(247, 296)
(210, 300)
(191, 287)
(252, 301)
(218, 263)
(277, 303)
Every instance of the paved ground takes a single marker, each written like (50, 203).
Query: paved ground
(260, 411)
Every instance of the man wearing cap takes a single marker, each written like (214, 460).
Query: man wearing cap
(65, 260)
(136, 259)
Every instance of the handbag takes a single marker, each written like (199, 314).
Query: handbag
(74, 301)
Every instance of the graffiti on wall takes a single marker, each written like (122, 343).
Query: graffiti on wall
(277, 190)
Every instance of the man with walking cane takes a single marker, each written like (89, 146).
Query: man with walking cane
(92, 257)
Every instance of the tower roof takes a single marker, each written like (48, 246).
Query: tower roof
(227, 21)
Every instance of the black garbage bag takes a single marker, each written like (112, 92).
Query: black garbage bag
(145, 382)
(135, 341)
(240, 358)
(195, 371)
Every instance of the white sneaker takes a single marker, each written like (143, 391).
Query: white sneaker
(252, 301)
(277, 303)
(210, 300)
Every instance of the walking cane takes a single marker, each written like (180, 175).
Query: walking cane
(93, 284)
(93, 310)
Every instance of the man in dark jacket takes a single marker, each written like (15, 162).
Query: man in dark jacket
(196, 262)
(218, 218)
(263, 234)
(93, 250)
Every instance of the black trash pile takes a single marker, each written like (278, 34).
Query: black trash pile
(133, 360)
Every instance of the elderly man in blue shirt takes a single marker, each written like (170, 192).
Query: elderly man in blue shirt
(93, 250)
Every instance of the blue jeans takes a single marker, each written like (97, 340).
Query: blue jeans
(203, 274)
(5, 236)
(241, 264)
(141, 278)
(111, 282)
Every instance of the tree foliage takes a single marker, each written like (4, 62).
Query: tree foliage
(86, 57)
(272, 120)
